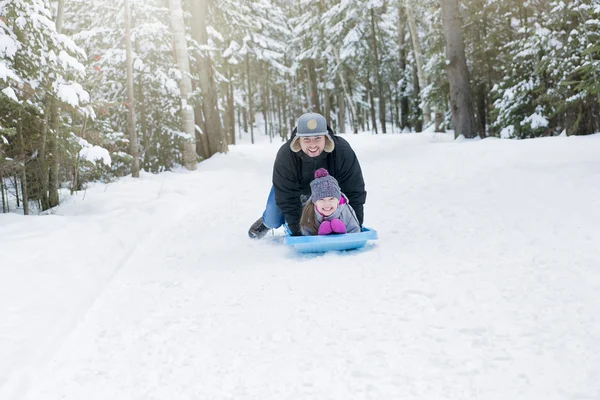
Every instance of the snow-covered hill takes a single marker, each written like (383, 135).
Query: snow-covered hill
(484, 284)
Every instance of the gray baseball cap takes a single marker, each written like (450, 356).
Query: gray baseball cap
(311, 124)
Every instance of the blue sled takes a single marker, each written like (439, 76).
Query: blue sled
(321, 244)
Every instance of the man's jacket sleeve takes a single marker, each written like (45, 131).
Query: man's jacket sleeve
(350, 178)
(287, 189)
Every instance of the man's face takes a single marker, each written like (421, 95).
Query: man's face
(312, 146)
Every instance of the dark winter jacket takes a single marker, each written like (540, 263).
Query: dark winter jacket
(293, 172)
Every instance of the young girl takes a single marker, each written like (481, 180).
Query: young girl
(327, 211)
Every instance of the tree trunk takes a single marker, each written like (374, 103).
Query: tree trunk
(412, 25)
(284, 108)
(341, 112)
(327, 99)
(402, 48)
(347, 90)
(326, 95)
(239, 122)
(225, 100)
(481, 69)
(418, 115)
(275, 111)
(131, 123)
(24, 191)
(23, 169)
(53, 199)
(397, 111)
(392, 115)
(323, 63)
(230, 107)
(245, 110)
(439, 120)
(482, 108)
(43, 158)
(272, 112)
(313, 92)
(354, 112)
(264, 95)
(279, 115)
(76, 181)
(4, 199)
(458, 73)
(46, 159)
(201, 139)
(250, 100)
(216, 138)
(372, 104)
(381, 96)
(190, 157)
(145, 137)
(300, 96)
(16, 186)
(284, 114)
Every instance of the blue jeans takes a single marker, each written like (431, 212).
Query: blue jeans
(272, 217)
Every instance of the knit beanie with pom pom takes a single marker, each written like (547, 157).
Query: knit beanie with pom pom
(324, 185)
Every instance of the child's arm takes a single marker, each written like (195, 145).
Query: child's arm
(348, 217)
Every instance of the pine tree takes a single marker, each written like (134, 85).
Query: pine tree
(40, 67)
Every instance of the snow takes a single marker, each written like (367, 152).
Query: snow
(68, 61)
(554, 43)
(484, 283)
(507, 132)
(185, 105)
(95, 153)
(594, 22)
(233, 48)
(8, 46)
(6, 72)
(171, 85)
(214, 33)
(138, 65)
(536, 120)
(70, 44)
(21, 22)
(71, 93)
(92, 152)
(10, 93)
(88, 111)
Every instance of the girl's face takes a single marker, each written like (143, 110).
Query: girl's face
(327, 206)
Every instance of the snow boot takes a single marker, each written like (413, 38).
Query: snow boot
(257, 230)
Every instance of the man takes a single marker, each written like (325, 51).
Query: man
(313, 145)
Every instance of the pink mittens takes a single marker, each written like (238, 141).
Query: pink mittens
(333, 226)
(325, 228)
(338, 226)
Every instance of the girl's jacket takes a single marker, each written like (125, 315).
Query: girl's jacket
(344, 212)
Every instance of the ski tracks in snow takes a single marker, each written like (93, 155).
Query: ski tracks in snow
(85, 237)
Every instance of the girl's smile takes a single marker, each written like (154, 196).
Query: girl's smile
(327, 205)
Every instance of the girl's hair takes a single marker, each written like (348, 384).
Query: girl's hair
(308, 219)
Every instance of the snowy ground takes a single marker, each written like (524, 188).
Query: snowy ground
(485, 283)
